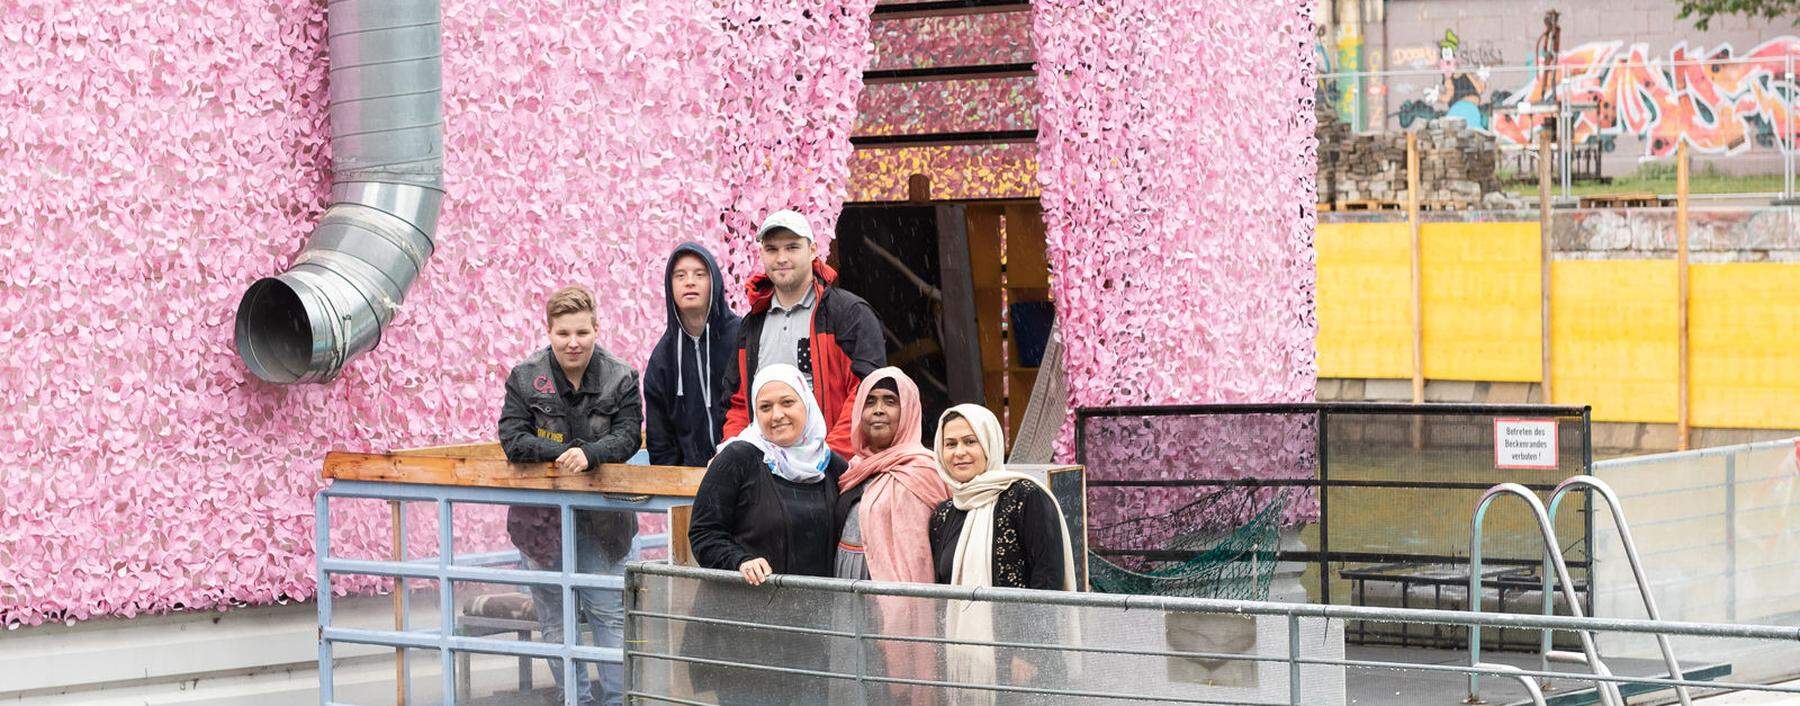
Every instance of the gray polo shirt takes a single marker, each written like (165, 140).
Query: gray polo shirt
(784, 332)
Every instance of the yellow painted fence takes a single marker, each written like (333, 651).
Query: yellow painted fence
(1614, 328)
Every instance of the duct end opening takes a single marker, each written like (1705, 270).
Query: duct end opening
(276, 333)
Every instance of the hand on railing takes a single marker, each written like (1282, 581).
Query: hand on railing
(572, 461)
(755, 571)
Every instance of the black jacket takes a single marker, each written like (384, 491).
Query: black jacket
(538, 423)
(685, 389)
(738, 516)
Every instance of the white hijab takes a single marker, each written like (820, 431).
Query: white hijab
(805, 461)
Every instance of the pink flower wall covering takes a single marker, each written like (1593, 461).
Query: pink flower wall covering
(158, 157)
(1175, 155)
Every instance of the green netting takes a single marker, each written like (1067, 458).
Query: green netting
(1236, 564)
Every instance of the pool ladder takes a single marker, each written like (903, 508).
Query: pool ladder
(1553, 561)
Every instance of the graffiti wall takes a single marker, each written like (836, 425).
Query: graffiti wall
(1719, 100)
(1642, 80)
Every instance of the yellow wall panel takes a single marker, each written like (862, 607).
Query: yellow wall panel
(1364, 300)
(1744, 345)
(1613, 336)
(1482, 298)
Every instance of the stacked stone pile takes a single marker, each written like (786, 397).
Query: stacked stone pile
(1456, 164)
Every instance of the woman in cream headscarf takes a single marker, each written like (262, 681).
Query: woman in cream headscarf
(999, 528)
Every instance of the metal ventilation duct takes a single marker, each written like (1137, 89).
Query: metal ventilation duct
(387, 146)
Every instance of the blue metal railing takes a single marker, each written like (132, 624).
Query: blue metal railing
(447, 568)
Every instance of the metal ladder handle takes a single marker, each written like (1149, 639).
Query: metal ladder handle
(1531, 685)
(1631, 555)
(1609, 692)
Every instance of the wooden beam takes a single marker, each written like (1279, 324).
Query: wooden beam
(962, 329)
(1418, 284)
(918, 188)
(398, 554)
(1682, 369)
(949, 73)
(486, 449)
(681, 549)
(1418, 268)
(947, 8)
(945, 139)
(608, 478)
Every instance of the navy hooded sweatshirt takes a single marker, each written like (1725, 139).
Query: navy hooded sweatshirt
(685, 383)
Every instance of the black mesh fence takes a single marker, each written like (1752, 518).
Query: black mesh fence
(1378, 498)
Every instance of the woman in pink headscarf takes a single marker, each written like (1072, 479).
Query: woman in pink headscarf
(886, 496)
(885, 501)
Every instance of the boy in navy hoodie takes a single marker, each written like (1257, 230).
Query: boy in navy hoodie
(685, 382)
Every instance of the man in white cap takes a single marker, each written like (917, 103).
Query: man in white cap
(797, 317)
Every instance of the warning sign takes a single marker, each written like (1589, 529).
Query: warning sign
(1528, 444)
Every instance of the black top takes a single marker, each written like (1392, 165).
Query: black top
(743, 511)
(1028, 540)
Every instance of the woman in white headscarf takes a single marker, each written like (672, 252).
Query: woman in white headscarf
(766, 503)
(999, 528)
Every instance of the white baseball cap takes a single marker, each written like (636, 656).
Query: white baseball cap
(786, 220)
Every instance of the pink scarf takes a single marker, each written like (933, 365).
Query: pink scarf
(904, 488)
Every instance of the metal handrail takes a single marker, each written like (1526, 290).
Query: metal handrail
(1637, 571)
(663, 651)
(1609, 692)
(1129, 601)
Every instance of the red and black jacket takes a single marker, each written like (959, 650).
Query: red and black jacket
(845, 345)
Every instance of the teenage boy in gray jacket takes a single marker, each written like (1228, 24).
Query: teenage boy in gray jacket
(574, 405)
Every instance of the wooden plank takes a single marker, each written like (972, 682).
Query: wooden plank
(398, 554)
(486, 449)
(480, 472)
(1545, 261)
(983, 234)
(1682, 369)
(681, 550)
(1418, 284)
(1027, 265)
(962, 330)
(1418, 312)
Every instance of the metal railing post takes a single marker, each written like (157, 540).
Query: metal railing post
(1293, 625)
(321, 552)
(566, 514)
(1793, 132)
(630, 600)
(862, 660)
(446, 597)
(1324, 511)
(1731, 602)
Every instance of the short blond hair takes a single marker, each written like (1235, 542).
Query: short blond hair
(572, 299)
